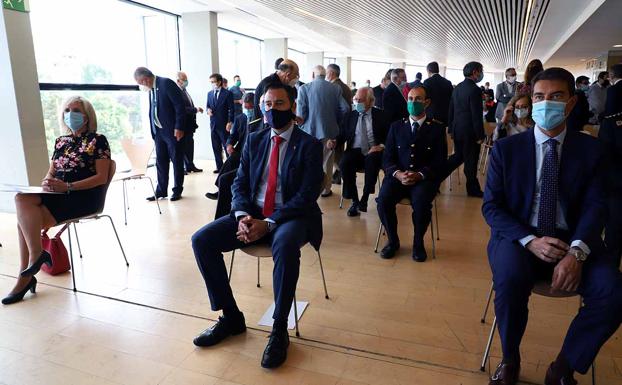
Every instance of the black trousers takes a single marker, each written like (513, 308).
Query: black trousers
(353, 160)
(169, 150)
(189, 150)
(219, 143)
(213, 239)
(421, 197)
(467, 152)
(613, 229)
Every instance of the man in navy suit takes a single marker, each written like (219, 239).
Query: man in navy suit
(167, 118)
(440, 93)
(415, 153)
(191, 123)
(275, 202)
(221, 112)
(392, 99)
(545, 202)
(364, 133)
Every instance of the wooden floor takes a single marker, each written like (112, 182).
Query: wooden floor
(387, 321)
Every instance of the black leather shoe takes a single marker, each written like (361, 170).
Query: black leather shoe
(195, 169)
(388, 251)
(326, 194)
(212, 196)
(215, 171)
(336, 177)
(276, 350)
(419, 254)
(476, 194)
(175, 197)
(224, 328)
(36, 266)
(505, 374)
(154, 197)
(17, 297)
(555, 377)
(353, 211)
(362, 206)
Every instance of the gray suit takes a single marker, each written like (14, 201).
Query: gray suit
(504, 93)
(323, 109)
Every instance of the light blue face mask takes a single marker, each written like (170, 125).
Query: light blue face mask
(74, 120)
(480, 77)
(250, 114)
(359, 107)
(548, 114)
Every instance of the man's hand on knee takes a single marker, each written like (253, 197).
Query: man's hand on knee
(548, 249)
(567, 274)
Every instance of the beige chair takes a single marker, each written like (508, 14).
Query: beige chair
(138, 151)
(484, 153)
(97, 215)
(450, 142)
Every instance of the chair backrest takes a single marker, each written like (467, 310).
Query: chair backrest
(138, 152)
(543, 288)
(104, 191)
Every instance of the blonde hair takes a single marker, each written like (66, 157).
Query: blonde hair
(89, 111)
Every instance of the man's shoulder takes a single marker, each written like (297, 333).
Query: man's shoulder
(304, 137)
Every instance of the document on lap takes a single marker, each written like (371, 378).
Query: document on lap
(5, 187)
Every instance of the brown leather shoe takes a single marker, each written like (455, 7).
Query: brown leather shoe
(553, 377)
(506, 374)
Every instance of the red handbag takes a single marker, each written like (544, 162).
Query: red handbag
(58, 252)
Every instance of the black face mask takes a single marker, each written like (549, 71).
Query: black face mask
(279, 119)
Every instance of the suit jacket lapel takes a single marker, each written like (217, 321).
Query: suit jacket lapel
(262, 149)
(292, 147)
(567, 169)
(530, 170)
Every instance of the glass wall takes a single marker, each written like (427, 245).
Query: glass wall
(363, 70)
(301, 59)
(455, 76)
(329, 60)
(411, 72)
(239, 55)
(96, 45)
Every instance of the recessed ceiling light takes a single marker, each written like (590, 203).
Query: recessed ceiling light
(617, 46)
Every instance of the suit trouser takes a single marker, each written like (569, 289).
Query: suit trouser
(421, 196)
(219, 142)
(613, 230)
(223, 204)
(467, 152)
(219, 236)
(189, 150)
(328, 160)
(354, 160)
(231, 164)
(515, 270)
(168, 149)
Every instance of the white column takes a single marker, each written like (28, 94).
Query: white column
(24, 151)
(199, 47)
(313, 59)
(272, 50)
(442, 70)
(345, 63)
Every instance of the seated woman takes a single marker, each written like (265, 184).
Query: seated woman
(79, 169)
(516, 117)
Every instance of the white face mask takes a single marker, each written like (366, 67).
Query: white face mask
(511, 79)
(144, 88)
(292, 83)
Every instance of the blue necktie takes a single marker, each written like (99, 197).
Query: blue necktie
(547, 213)
(415, 129)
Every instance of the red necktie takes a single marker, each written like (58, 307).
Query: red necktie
(273, 172)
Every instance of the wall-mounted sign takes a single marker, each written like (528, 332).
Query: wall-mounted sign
(15, 5)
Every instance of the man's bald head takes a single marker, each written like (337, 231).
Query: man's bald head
(288, 71)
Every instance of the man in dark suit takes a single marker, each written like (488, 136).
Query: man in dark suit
(414, 157)
(610, 134)
(221, 112)
(275, 202)
(466, 126)
(243, 125)
(333, 71)
(167, 118)
(392, 98)
(287, 73)
(580, 114)
(191, 123)
(546, 215)
(440, 94)
(364, 133)
(379, 89)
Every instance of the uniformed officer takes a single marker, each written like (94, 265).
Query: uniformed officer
(414, 157)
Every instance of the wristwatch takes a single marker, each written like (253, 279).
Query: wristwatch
(69, 187)
(579, 254)
(271, 226)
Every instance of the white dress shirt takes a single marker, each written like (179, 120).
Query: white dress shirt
(360, 137)
(560, 221)
(154, 102)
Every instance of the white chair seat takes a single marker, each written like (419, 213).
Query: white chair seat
(259, 251)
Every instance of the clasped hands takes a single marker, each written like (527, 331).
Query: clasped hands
(567, 272)
(54, 185)
(408, 178)
(251, 229)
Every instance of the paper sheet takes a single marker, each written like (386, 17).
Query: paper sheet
(5, 187)
(266, 319)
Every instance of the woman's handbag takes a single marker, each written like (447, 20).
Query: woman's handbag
(55, 247)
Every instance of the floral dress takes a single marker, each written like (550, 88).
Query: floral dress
(74, 160)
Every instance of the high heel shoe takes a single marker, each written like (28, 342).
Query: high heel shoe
(35, 267)
(17, 297)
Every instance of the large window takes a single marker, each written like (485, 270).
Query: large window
(456, 76)
(239, 55)
(329, 60)
(411, 72)
(301, 59)
(368, 70)
(91, 48)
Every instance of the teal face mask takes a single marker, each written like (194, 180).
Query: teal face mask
(359, 107)
(548, 114)
(74, 120)
(415, 108)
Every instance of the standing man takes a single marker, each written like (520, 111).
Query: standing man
(466, 126)
(597, 97)
(414, 157)
(287, 73)
(546, 213)
(321, 110)
(580, 114)
(167, 118)
(505, 92)
(610, 134)
(274, 202)
(353, 88)
(220, 110)
(411, 85)
(191, 124)
(440, 90)
(237, 93)
(364, 133)
(379, 89)
(488, 91)
(333, 71)
(392, 99)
